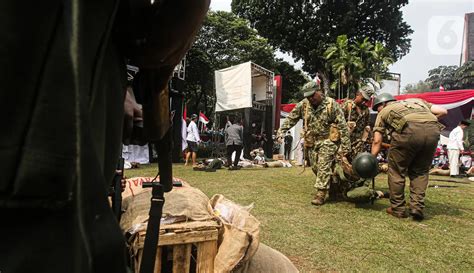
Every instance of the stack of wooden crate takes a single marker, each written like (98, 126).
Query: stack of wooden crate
(182, 247)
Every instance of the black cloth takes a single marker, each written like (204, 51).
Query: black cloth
(192, 146)
(230, 150)
(288, 141)
(63, 91)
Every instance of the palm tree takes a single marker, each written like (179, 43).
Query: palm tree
(354, 65)
(345, 64)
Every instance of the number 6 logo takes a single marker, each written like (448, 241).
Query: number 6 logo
(445, 35)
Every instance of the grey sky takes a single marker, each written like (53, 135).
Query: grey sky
(438, 30)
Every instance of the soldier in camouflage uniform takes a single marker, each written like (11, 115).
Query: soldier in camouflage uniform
(357, 116)
(324, 129)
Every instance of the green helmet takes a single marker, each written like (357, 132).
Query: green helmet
(365, 165)
(310, 88)
(384, 97)
(367, 92)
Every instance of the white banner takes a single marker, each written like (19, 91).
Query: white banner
(234, 87)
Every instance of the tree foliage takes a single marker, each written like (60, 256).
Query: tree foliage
(465, 76)
(442, 75)
(226, 40)
(353, 64)
(420, 87)
(452, 77)
(306, 28)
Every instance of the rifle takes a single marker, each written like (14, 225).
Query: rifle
(116, 190)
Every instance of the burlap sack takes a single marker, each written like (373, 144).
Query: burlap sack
(184, 203)
(240, 238)
(267, 259)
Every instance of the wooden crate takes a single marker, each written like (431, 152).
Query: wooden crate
(180, 242)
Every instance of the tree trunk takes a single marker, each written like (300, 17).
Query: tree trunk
(325, 80)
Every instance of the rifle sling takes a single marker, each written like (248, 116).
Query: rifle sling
(152, 230)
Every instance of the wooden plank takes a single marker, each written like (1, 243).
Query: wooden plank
(181, 258)
(172, 238)
(157, 261)
(138, 260)
(206, 252)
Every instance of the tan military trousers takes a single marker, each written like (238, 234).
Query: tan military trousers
(410, 155)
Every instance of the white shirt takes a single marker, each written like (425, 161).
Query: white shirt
(455, 139)
(193, 133)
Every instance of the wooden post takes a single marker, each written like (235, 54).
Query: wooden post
(206, 252)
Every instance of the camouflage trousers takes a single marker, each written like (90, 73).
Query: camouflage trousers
(357, 147)
(322, 156)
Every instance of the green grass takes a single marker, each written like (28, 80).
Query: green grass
(341, 236)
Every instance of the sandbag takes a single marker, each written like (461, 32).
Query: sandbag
(267, 259)
(181, 204)
(240, 237)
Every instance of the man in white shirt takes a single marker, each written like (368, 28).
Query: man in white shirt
(455, 145)
(193, 139)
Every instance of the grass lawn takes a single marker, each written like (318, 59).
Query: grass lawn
(341, 236)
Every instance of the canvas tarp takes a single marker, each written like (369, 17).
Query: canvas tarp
(234, 87)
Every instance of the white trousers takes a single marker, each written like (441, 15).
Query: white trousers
(453, 156)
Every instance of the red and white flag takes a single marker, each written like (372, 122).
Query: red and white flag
(184, 131)
(203, 118)
(317, 79)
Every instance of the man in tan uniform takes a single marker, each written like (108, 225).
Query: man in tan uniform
(414, 128)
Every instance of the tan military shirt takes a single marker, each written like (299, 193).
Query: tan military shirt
(412, 110)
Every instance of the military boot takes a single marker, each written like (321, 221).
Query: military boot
(319, 198)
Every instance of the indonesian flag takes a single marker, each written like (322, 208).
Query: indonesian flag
(317, 79)
(184, 131)
(203, 118)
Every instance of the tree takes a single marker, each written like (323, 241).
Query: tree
(465, 76)
(420, 87)
(354, 64)
(442, 75)
(223, 41)
(292, 80)
(306, 28)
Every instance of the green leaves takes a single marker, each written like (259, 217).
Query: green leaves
(223, 41)
(306, 28)
(352, 62)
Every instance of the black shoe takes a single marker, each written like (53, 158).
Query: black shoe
(417, 215)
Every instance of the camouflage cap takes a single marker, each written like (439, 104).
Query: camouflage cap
(367, 92)
(310, 88)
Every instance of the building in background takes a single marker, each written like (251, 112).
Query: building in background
(467, 53)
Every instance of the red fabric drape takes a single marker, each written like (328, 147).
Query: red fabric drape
(440, 97)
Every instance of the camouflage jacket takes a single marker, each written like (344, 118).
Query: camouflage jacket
(319, 120)
(361, 119)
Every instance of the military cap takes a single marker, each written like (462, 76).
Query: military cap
(367, 92)
(310, 88)
(194, 116)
